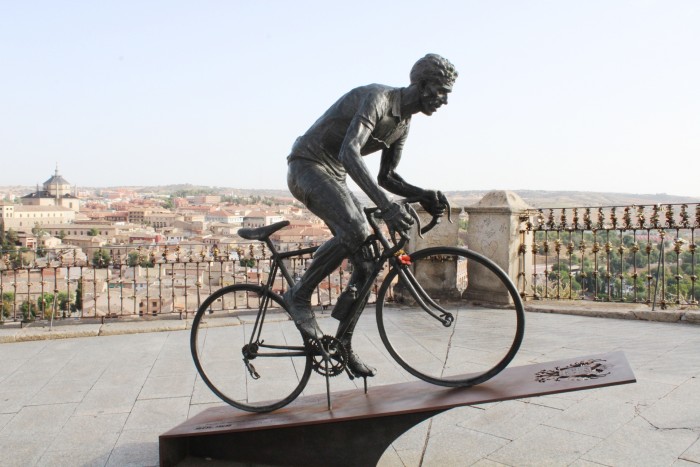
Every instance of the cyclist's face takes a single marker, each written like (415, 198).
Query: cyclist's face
(433, 96)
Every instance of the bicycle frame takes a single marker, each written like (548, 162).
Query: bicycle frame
(385, 252)
(390, 253)
(250, 351)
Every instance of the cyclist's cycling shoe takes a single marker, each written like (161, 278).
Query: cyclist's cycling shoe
(357, 367)
(304, 318)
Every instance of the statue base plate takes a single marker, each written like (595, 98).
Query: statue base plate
(361, 426)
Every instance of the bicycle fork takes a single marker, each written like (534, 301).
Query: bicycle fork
(421, 296)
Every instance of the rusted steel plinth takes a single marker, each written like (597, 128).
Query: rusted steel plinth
(361, 426)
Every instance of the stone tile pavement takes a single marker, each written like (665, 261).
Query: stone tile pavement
(103, 401)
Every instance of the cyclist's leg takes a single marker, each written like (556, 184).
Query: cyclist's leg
(362, 265)
(362, 269)
(326, 195)
(298, 298)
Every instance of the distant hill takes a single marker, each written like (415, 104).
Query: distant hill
(554, 199)
(535, 198)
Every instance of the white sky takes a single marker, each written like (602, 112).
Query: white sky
(597, 95)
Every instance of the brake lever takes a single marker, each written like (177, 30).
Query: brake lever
(411, 210)
(443, 200)
(435, 220)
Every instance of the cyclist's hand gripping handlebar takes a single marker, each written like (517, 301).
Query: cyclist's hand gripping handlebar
(397, 220)
(436, 218)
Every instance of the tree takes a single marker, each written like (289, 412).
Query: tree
(101, 259)
(45, 304)
(93, 232)
(247, 262)
(11, 238)
(8, 300)
(78, 304)
(64, 301)
(15, 256)
(38, 230)
(28, 310)
(135, 259)
(560, 271)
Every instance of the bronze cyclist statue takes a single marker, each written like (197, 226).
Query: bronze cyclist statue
(367, 119)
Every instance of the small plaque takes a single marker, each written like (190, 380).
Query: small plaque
(213, 426)
(579, 371)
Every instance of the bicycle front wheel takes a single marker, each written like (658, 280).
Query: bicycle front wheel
(247, 350)
(443, 325)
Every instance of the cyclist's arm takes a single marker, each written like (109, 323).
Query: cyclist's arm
(351, 158)
(389, 179)
(396, 218)
(432, 201)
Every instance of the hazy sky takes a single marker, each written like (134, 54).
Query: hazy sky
(552, 95)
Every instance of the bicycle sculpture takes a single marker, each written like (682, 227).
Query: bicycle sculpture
(246, 365)
(264, 363)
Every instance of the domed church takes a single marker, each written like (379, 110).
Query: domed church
(56, 192)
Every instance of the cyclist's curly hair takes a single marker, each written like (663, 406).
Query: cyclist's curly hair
(433, 67)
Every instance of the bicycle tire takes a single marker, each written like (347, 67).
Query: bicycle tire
(217, 349)
(476, 346)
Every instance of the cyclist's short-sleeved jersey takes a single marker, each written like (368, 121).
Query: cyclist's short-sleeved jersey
(375, 106)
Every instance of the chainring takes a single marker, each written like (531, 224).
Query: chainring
(337, 352)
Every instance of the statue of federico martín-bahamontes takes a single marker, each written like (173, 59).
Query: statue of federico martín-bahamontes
(368, 119)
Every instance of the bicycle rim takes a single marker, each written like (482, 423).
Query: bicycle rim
(483, 337)
(222, 327)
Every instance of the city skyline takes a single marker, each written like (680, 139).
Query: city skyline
(564, 96)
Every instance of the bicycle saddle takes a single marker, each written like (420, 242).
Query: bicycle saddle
(261, 233)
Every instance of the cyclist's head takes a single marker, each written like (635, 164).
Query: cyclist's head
(434, 69)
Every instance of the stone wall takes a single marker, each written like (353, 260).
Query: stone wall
(494, 232)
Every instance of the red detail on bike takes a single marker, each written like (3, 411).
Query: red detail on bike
(404, 259)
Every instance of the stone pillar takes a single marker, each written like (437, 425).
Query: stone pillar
(493, 231)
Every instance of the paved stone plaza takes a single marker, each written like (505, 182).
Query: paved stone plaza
(103, 401)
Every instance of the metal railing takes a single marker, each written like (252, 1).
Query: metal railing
(138, 280)
(635, 254)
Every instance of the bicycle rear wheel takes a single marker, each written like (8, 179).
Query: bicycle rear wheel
(224, 332)
(462, 343)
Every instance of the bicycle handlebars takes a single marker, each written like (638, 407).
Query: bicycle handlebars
(406, 202)
(434, 221)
